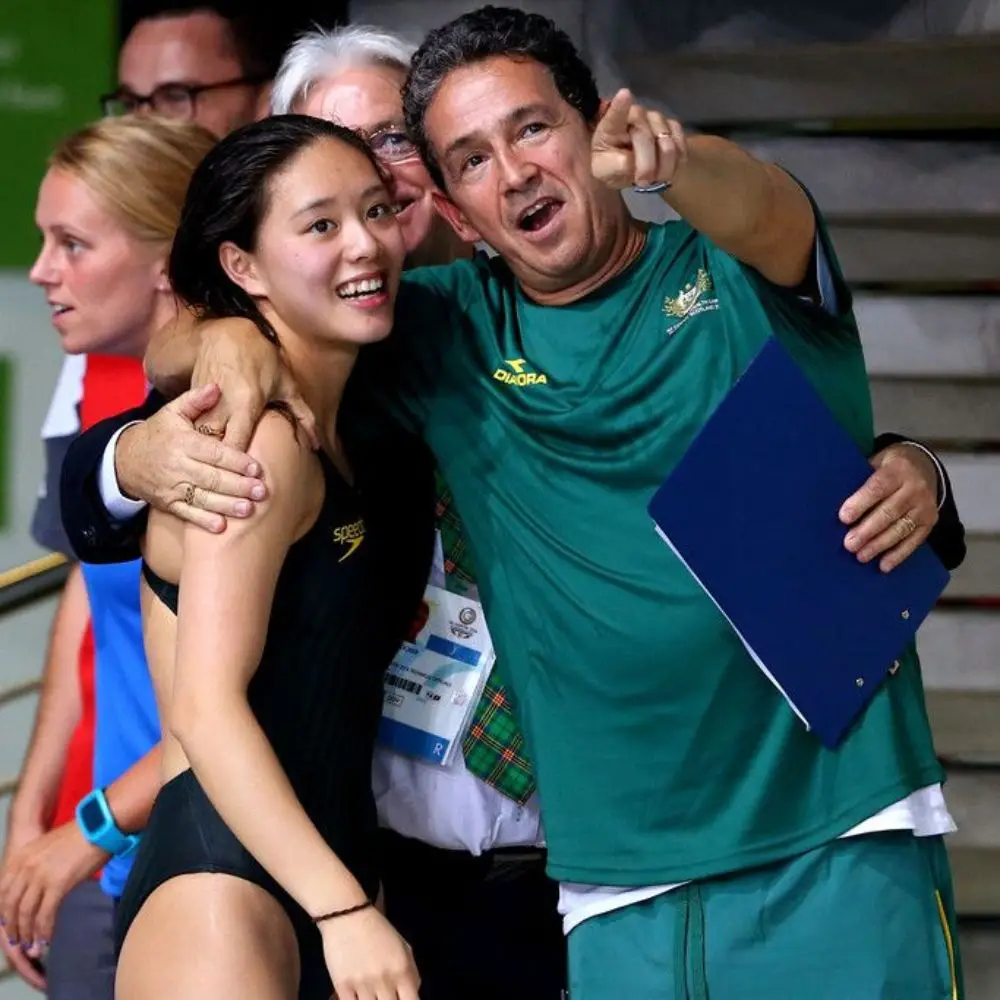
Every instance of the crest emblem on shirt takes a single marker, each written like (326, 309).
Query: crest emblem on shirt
(694, 298)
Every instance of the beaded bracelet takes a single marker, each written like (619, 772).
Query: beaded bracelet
(357, 908)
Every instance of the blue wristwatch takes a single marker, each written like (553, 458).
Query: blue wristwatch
(93, 816)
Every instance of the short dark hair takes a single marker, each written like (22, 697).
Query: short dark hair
(483, 34)
(227, 200)
(256, 45)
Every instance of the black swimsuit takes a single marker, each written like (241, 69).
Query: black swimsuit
(345, 596)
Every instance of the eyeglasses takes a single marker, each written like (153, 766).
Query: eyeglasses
(391, 144)
(172, 100)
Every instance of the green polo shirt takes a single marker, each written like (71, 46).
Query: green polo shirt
(662, 752)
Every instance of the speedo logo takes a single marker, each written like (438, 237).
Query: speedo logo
(517, 375)
(351, 536)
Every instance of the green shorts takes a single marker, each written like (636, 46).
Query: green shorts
(866, 918)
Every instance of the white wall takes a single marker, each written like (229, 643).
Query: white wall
(29, 340)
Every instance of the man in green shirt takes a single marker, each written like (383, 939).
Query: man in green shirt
(707, 845)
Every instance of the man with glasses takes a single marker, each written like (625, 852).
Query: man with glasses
(353, 76)
(194, 64)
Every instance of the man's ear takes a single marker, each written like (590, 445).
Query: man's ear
(452, 214)
(241, 269)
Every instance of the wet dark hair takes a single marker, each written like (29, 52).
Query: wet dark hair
(227, 201)
(482, 34)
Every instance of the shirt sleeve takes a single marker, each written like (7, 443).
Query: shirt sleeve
(823, 303)
(60, 428)
(46, 522)
(119, 506)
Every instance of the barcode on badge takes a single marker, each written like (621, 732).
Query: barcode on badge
(412, 687)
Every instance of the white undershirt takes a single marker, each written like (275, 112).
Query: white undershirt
(924, 812)
(448, 807)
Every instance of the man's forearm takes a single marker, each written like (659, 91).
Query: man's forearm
(59, 708)
(752, 210)
(172, 353)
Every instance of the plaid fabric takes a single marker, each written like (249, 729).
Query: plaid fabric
(494, 746)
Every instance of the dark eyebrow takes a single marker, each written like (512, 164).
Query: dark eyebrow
(124, 88)
(516, 116)
(332, 199)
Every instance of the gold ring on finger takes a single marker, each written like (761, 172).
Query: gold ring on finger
(908, 525)
(189, 495)
(209, 430)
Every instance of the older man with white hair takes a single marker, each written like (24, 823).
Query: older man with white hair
(353, 75)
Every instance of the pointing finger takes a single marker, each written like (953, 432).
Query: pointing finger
(613, 126)
(644, 146)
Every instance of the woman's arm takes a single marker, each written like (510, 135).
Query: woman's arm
(227, 587)
(35, 879)
(59, 710)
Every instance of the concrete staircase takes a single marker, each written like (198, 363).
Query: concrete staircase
(898, 138)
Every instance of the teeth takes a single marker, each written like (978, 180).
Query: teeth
(59, 310)
(534, 210)
(354, 289)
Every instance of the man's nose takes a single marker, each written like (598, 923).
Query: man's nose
(516, 171)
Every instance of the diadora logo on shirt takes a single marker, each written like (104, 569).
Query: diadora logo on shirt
(515, 374)
(350, 536)
(694, 298)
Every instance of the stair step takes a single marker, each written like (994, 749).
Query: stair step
(959, 650)
(915, 250)
(974, 800)
(930, 336)
(889, 176)
(979, 575)
(958, 658)
(976, 479)
(937, 411)
(941, 78)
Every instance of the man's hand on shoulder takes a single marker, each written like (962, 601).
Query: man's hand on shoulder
(196, 476)
(247, 368)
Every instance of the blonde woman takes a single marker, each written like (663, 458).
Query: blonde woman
(107, 209)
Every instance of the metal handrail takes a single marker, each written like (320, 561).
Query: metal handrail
(19, 586)
(32, 581)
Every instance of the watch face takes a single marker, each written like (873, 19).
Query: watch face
(92, 816)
